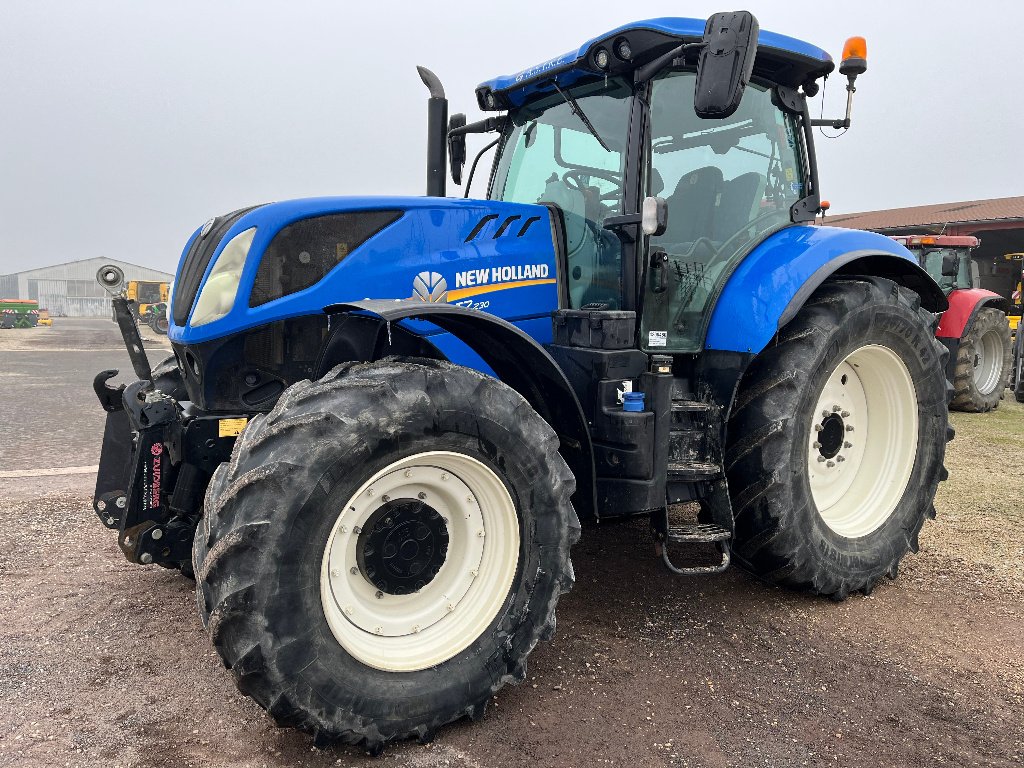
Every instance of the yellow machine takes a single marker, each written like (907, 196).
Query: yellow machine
(143, 293)
(44, 317)
(1016, 298)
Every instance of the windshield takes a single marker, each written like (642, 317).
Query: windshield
(727, 183)
(149, 293)
(549, 156)
(931, 262)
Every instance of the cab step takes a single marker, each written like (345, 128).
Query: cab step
(694, 533)
(692, 471)
(697, 533)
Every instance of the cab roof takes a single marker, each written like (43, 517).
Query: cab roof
(780, 59)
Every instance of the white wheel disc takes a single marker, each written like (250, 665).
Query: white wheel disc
(988, 364)
(863, 441)
(420, 561)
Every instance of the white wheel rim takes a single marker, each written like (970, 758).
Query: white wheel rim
(870, 402)
(408, 632)
(989, 362)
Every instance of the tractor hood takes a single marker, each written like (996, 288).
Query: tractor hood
(281, 260)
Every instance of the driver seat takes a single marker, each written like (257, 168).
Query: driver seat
(693, 205)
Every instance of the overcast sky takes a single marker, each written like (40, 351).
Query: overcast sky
(127, 124)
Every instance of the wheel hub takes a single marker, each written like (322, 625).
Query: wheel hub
(863, 441)
(402, 546)
(830, 437)
(419, 561)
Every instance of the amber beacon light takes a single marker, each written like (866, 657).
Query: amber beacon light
(855, 57)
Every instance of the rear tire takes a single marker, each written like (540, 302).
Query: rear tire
(983, 363)
(836, 440)
(294, 580)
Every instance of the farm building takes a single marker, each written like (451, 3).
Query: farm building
(70, 289)
(998, 223)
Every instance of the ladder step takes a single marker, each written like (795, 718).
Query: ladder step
(690, 406)
(693, 470)
(699, 532)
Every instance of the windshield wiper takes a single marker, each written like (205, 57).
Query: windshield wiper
(578, 111)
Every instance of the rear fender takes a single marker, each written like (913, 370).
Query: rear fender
(775, 280)
(964, 306)
(516, 359)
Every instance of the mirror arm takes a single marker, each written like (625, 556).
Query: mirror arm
(487, 125)
(623, 226)
(651, 68)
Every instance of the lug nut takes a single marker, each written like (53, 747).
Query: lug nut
(847, 445)
(444, 475)
(354, 571)
(836, 409)
(110, 521)
(825, 414)
(816, 444)
(421, 495)
(357, 530)
(845, 414)
(818, 427)
(157, 534)
(849, 427)
(385, 497)
(840, 458)
(101, 505)
(821, 459)
(379, 594)
(830, 464)
(121, 502)
(146, 558)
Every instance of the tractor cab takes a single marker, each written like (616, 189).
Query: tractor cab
(619, 123)
(947, 258)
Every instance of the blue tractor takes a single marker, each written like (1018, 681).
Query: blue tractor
(385, 418)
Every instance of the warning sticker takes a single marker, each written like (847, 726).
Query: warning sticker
(231, 427)
(657, 338)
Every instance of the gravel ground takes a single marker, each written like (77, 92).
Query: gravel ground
(103, 663)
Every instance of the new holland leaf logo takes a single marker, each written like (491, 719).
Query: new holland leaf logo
(430, 286)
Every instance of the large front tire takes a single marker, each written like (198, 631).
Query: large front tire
(385, 549)
(837, 438)
(983, 363)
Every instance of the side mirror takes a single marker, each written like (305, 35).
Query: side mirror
(457, 146)
(725, 64)
(654, 216)
(950, 265)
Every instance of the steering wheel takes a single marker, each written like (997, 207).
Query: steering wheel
(576, 179)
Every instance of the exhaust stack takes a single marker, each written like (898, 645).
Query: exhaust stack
(437, 133)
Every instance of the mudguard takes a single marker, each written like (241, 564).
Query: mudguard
(777, 277)
(518, 361)
(963, 308)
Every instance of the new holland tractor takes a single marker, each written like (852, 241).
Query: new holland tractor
(386, 417)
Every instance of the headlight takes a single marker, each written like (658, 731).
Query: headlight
(218, 295)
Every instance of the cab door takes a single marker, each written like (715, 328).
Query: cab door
(728, 184)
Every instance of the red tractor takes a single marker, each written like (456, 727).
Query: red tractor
(974, 328)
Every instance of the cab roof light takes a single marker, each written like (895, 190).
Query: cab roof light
(855, 57)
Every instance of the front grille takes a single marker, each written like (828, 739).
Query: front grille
(193, 266)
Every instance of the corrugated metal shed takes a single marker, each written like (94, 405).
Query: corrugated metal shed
(70, 288)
